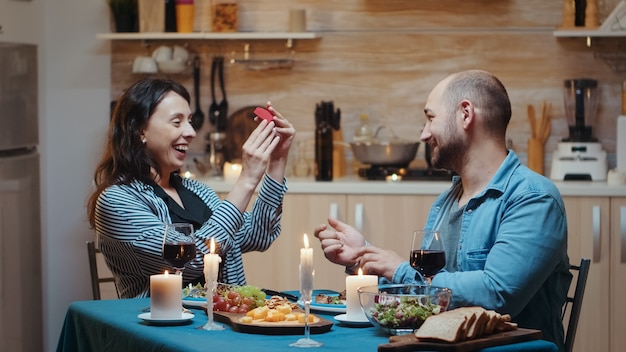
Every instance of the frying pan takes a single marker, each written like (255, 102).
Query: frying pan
(396, 153)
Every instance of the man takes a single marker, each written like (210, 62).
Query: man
(504, 226)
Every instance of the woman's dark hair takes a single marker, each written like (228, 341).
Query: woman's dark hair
(125, 157)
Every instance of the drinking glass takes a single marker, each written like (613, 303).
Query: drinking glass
(179, 245)
(427, 261)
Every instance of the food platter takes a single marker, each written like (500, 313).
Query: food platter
(320, 326)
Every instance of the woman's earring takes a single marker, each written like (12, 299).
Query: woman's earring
(143, 140)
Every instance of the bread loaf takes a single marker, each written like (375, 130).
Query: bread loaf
(463, 324)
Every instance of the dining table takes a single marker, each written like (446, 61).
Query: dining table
(114, 325)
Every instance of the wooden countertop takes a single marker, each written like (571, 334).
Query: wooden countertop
(355, 185)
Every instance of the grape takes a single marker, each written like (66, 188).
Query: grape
(238, 299)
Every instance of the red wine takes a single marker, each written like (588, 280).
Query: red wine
(179, 254)
(428, 262)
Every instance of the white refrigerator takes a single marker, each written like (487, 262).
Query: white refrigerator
(20, 221)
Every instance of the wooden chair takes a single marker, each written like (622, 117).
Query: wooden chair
(575, 302)
(95, 269)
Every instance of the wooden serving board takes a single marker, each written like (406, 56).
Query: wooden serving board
(411, 343)
(267, 328)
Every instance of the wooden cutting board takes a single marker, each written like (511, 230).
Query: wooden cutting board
(266, 328)
(406, 343)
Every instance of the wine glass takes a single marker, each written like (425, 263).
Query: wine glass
(429, 260)
(179, 245)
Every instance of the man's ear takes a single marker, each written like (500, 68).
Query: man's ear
(467, 110)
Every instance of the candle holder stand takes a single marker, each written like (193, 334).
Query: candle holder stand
(210, 324)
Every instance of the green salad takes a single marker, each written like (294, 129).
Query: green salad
(406, 312)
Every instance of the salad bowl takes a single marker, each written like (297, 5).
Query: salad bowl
(401, 309)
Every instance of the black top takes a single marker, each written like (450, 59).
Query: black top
(195, 211)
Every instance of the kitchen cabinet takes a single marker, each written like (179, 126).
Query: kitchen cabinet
(588, 236)
(617, 274)
(387, 221)
(277, 268)
(597, 230)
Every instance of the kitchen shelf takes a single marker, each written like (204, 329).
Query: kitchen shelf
(614, 25)
(587, 33)
(208, 35)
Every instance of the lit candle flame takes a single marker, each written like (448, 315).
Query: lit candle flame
(360, 272)
(306, 241)
(212, 245)
(166, 273)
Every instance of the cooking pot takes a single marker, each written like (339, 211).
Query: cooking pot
(394, 152)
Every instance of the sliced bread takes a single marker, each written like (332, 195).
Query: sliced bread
(443, 327)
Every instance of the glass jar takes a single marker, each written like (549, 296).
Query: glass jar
(225, 16)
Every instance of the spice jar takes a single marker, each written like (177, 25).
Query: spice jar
(225, 16)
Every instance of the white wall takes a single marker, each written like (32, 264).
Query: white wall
(74, 95)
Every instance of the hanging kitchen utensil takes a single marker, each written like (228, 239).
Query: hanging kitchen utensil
(214, 107)
(218, 112)
(221, 126)
(197, 118)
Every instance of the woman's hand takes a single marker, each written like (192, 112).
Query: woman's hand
(286, 133)
(257, 151)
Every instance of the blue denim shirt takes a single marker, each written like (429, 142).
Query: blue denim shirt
(512, 252)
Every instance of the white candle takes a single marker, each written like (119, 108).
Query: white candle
(306, 270)
(211, 265)
(166, 300)
(232, 171)
(353, 282)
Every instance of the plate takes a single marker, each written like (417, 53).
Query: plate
(194, 302)
(330, 308)
(147, 317)
(321, 307)
(342, 318)
(267, 328)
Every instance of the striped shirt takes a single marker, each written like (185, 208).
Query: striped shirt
(130, 221)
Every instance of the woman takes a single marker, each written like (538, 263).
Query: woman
(139, 190)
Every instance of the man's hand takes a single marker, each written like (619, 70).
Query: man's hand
(379, 261)
(340, 242)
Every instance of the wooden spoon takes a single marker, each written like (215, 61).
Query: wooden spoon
(532, 120)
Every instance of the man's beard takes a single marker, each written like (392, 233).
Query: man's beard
(449, 155)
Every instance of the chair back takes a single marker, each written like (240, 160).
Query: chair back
(575, 302)
(99, 273)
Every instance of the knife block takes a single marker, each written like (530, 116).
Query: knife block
(151, 15)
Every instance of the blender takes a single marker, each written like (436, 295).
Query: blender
(580, 156)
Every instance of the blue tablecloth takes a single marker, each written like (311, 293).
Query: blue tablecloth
(113, 325)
